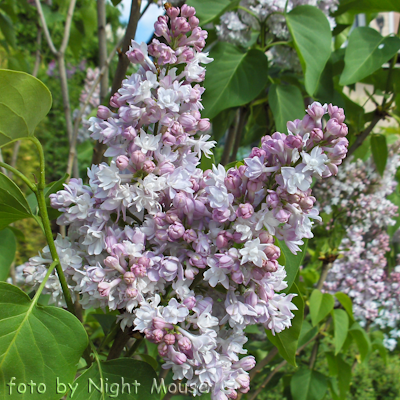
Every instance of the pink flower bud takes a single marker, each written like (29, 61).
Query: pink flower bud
(168, 139)
(129, 277)
(176, 231)
(160, 323)
(184, 344)
(245, 210)
(187, 11)
(162, 349)
(138, 158)
(114, 100)
(193, 22)
(122, 162)
(158, 335)
(189, 302)
(335, 128)
(265, 237)
(144, 262)
(129, 133)
(272, 252)
(204, 124)
(131, 292)
(103, 112)
(189, 236)
(149, 166)
(113, 262)
(135, 56)
(169, 339)
(282, 216)
(166, 167)
(173, 12)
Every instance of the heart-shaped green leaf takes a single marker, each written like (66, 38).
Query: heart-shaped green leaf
(38, 344)
(366, 52)
(341, 323)
(379, 152)
(13, 205)
(369, 6)
(233, 79)
(346, 302)
(362, 340)
(312, 39)
(286, 103)
(124, 378)
(8, 247)
(320, 305)
(291, 261)
(308, 385)
(208, 10)
(24, 102)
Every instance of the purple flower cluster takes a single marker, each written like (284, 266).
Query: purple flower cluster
(187, 255)
(358, 197)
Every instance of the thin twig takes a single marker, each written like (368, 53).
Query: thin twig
(265, 361)
(102, 38)
(45, 28)
(324, 273)
(269, 377)
(120, 341)
(67, 27)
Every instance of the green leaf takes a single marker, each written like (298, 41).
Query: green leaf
(287, 104)
(138, 377)
(208, 10)
(7, 28)
(291, 261)
(287, 340)
(362, 340)
(379, 152)
(308, 385)
(222, 122)
(13, 205)
(320, 305)
(344, 377)
(8, 247)
(233, 79)
(382, 350)
(307, 333)
(37, 343)
(24, 102)
(332, 363)
(106, 321)
(366, 52)
(346, 302)
(341, 324)
(369, 6)
(89, 17)
(312, 39)
(116, 2)
(206, 162)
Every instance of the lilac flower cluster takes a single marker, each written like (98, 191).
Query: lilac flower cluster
(358, 196)
(94, 102)
(187, 255)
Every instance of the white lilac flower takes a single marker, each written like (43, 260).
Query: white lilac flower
(253, 251)
(315, 161)
(147, 142)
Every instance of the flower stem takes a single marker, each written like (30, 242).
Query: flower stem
(39, 193)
